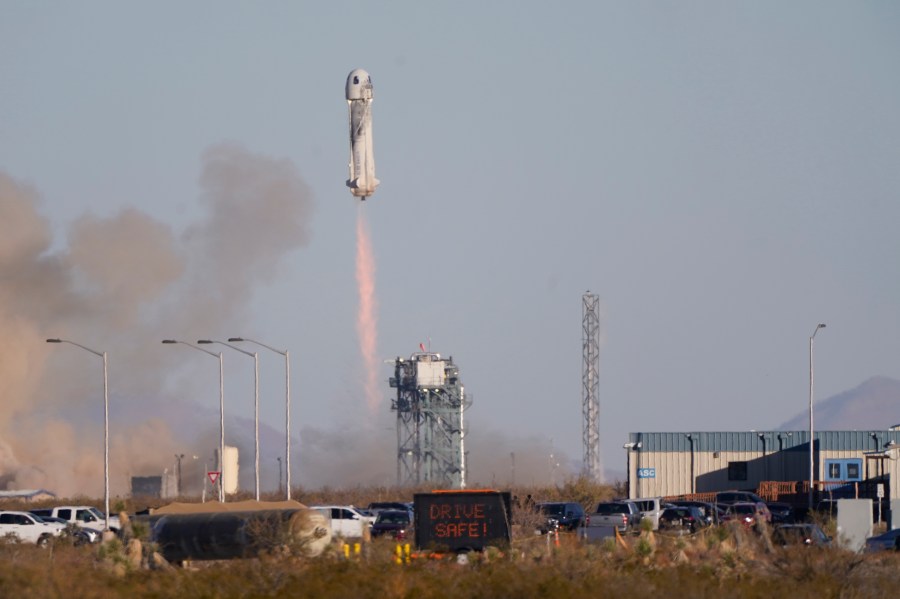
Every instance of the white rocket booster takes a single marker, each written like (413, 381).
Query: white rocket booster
(362, 181)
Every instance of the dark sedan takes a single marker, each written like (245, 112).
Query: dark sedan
(562, 515)
(782, 513)
(808, 534)
(392, 523)
(710, 511)
(682, 518)
(889, 541)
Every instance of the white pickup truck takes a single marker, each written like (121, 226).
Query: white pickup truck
(83, 516)
(346, 520)
(25, 527)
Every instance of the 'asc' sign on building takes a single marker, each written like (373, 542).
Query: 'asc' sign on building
(462, 520)
(646, 472)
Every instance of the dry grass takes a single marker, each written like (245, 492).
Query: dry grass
(734, 565)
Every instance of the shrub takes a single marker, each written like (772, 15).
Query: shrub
(643, 547)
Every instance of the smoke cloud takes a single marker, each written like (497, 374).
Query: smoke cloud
(120, 285)
(505, 458)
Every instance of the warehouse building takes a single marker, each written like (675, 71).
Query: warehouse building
(845, 463)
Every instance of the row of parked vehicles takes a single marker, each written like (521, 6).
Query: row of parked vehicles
(680, 517)
(85, 524)
(393, 519)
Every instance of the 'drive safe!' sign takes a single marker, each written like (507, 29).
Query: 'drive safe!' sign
(456, 520)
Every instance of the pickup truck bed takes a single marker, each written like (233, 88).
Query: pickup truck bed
(623, 516)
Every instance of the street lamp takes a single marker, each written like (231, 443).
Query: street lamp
(255, 398)
(287, 407)
(221, 480)
(811, 382)
(105, 424)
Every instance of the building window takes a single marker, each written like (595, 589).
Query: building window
(737, 470)
(843, 470)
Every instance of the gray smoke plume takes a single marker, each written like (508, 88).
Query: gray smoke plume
(120, 285)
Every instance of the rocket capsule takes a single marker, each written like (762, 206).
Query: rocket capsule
(362, 181)
(359, 85)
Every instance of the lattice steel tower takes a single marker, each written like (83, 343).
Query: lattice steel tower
(590, 337)
(430, 405)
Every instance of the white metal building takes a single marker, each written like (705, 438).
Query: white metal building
(855, 462)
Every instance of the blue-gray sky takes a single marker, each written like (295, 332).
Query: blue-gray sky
(723, 175)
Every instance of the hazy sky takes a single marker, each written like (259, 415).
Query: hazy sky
(723, 175)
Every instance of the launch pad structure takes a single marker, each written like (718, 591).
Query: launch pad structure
(430, 405)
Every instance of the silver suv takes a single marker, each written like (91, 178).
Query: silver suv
(651, 508)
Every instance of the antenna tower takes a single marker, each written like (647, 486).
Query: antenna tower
(590, 336)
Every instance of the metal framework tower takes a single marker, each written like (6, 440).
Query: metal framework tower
(590, 336)
(430, 433)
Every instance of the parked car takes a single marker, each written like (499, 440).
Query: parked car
(624, 516)
(380, 506)
(885, 541)
(564, 515)
(782, 513)
(807, 534)
(81, 535)
(682, 518)
(729, 497)
(751, 514)
(81, 515)
(392, 523)
(346, 520)
(711, 511)
(651, 508)
(28, 528)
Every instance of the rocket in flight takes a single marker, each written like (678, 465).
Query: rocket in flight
(362, 181)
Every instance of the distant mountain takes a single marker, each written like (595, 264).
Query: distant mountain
(873, 405)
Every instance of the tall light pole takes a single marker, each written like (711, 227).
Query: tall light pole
(255, 357)
(218, 355)
(279, 472)
(287, 407)
(105, 425)
(811, 444)
(178, 458)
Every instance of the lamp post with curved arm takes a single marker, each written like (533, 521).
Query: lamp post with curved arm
(287, 407)
(105, 424)
(811, 444)
(218, 355)
(255, 357)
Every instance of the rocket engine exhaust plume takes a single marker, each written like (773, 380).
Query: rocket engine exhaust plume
(365, 320)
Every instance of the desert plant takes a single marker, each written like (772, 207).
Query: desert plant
(643, 548)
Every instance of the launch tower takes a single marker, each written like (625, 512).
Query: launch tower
(430, 405)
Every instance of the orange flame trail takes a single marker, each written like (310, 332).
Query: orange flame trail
(365, 320)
